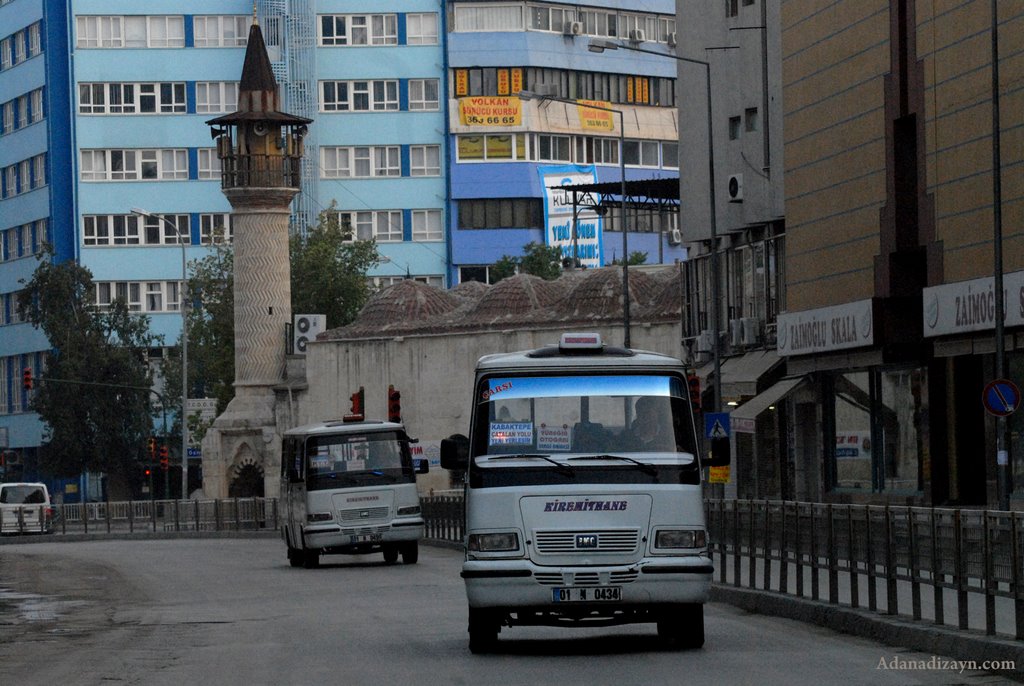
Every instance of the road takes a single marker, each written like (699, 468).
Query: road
(231, 611)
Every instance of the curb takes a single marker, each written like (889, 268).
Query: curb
(932, 639)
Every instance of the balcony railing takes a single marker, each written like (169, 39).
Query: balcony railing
(261, 171)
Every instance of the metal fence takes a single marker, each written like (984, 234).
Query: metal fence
(926, 563)
(234, 514)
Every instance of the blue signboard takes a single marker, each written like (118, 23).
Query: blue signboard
(195, 452)
(716, 425)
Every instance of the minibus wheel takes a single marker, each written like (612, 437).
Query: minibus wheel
(391, 554)
(410, 553)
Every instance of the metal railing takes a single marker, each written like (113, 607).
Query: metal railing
(917, 562)
(233, 514)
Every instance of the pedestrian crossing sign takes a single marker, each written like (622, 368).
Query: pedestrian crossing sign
(716, 425)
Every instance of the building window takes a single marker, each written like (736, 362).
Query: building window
(360, 161)
(731, 8)
(421, 29)
(493, 17)
(670, 155)
(750, 117)
(383, 225)
(641, 153)
(551, 148)
(495, 147)
(39, 171)
(131, 98)
(35, 43)
(214, 228)
(208, 163)
(134, 165)
(358, 96)
(216, 96)
(424, 160)
(8, 121)
(36, 98)
(359, 29)
(479, 273)
(5, 54)
(501, 213)
(134, 31)
(879, 422)
(426, 225)
(128, 291)
(423, 94)
(734, 128)
(221, 32)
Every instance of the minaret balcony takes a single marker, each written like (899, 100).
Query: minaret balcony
(261, 171)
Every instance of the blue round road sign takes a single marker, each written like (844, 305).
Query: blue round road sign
(1001, 397)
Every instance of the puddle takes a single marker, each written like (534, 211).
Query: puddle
(29, 607)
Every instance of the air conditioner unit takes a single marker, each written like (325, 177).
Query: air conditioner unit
(705, 341)
(735, 188)
(751, 330)
(305, 329)
(675, 237)
(673, 39)
(637, 36)
(735, 332)
(572, 28)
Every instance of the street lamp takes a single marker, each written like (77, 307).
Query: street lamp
(527, 95)
(600, 45)
(184, 344)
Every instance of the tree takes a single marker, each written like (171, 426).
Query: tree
(94, 396)
(329, 270)
(637, 257)
(538, 259)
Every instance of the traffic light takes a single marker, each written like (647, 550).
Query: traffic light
(394, 405)
(26, 378)
(357, 413)
(147, 471)
(151, 447)
(693, 381)
(165, 463)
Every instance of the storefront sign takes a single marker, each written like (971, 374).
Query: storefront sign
(586, 237)
(826, 329)
(596, 119)
(490, 111)
(969, 306)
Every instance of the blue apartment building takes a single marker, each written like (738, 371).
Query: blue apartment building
(104, 104)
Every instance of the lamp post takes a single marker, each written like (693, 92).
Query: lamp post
(184, 344)
(600, 45)
(527, 95)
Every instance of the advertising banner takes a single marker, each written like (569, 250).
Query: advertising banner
(490, 111)
(582, 239)
(596, 119)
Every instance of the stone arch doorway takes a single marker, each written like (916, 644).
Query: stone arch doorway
(247, 481)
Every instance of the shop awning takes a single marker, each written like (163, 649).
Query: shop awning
(740, 374)
(743, 416)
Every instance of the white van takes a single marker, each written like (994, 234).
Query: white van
(583, 493)
(25, 508)
(350, 487)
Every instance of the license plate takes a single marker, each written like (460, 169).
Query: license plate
(366, 538)
(586, 595)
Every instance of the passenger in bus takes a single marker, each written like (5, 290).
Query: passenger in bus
(652, 428)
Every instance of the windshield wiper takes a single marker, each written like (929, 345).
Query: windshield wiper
(562, 467)
(644, 467)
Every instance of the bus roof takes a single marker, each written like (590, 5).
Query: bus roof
(552, 356)
(338, 426)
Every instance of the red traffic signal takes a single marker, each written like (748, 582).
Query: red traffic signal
(146, 471)
(26, 378)
(164, 458)
(693, 381)
(394, 405)
(357, 413)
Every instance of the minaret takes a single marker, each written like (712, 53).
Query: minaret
(260, 150)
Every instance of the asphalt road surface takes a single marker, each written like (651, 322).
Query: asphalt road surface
(231, 611)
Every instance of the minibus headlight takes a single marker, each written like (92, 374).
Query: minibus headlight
(408, 510)
(493, 543)
(319, 517)
(681, 538)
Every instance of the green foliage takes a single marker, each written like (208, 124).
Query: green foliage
(538, 259)
(94, 395)
(329, 270)
(637, 257)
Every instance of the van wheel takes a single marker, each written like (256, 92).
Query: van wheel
(310, 558)
(294, 557)
(483, 631)
(391, 554)
(410, 553)
(682, 626)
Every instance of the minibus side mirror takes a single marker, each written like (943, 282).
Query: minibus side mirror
(720, 454)
(455, 452)
(422, 465)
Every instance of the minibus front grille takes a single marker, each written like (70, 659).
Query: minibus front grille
(607, 541)
(363, 514)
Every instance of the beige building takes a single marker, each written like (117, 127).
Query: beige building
(890, 224)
